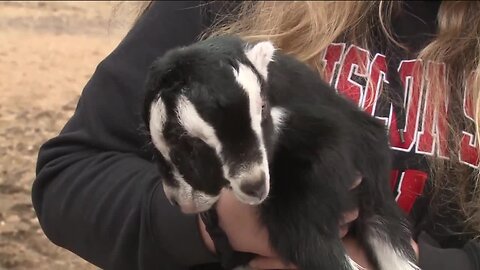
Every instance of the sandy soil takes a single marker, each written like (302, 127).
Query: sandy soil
(48, 51)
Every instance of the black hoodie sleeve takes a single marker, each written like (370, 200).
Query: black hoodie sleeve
(97, 193)
(433, 257)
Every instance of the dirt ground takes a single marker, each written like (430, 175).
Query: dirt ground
(48, 51)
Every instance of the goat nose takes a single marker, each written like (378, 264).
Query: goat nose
(254, 189)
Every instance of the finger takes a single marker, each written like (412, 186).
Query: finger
(357, 182)
(269, 263)
(349, 216)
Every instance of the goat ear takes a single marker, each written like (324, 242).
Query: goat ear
(261, 55)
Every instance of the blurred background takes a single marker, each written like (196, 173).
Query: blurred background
(48, 51)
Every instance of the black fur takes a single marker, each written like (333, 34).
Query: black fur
(313, 161)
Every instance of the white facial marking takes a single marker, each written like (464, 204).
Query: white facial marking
(158, 117)
(255, 172)
(203, 201)
(184, 191)
(195, 125)
(190, 201)
(261, 55)
(248, 80)
(250, 174)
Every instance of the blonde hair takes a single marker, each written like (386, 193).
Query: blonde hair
(305, 29)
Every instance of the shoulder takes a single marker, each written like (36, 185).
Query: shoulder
(208, 11)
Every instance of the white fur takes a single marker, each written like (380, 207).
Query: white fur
(184, 192)
(248, 174)
(158, 117)
(246, 78)
(279, 116)
(261, 55)
(203, 201)
(190, 201)
(195, 125)
(388, 257)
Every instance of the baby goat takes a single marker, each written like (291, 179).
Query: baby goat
(224, 113)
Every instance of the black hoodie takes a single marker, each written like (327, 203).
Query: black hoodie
(98, 194)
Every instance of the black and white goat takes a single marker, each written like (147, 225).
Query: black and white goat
(224, 113)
